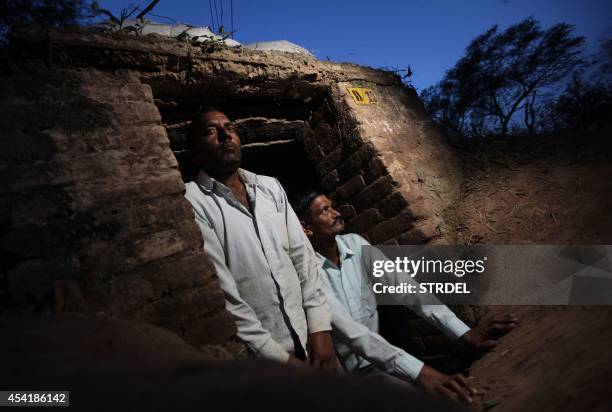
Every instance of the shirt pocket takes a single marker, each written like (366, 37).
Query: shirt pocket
(276, 227)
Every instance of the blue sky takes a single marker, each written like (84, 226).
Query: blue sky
(429, 35)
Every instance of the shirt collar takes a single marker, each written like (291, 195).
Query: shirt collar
(343, 249)
(208, 183)
(205, 181)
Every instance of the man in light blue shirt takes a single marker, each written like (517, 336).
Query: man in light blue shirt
(264, 262)
(354, 313)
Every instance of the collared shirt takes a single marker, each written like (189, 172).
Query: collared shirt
(265, 264)
(355, 316)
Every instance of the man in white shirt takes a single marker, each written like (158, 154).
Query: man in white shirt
(354, 313)
(264, 262)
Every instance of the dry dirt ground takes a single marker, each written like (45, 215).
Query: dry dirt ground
(558, 359)
(544, 190)
(547, 190)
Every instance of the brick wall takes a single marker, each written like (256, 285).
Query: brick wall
(94, 218)
(134, 241)
(388, 168)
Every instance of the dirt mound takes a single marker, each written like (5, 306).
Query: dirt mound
(558, 359)
(541, 190)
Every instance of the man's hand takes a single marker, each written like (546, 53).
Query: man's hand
(483, 337)
(453, 387)
(321, 351)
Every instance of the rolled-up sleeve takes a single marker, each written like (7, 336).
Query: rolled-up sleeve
(444, 319)
(370, 345)
(250, 329)
(306, 264)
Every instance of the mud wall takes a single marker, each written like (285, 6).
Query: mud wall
(93, 215)
(93, 124)
(386, 161)
(408, 177)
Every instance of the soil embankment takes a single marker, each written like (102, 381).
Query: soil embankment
(542, 190)
(558, 359)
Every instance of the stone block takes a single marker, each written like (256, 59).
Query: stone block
(364, 221)
(329, 182)
(353, 163)
(347, 211)
(373, 193)
(392, 204)
(329, 162)
(373, 168)
(313, 151)
(328, 138)
(423, 232)
(390, 228)
(349, 189)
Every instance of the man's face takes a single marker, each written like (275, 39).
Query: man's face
(323, 220)
(217, 148)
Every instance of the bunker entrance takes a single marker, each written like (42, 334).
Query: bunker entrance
(286, 161)
(314, 141)
(272, 133)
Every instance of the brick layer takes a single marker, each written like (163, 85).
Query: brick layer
(94, 218)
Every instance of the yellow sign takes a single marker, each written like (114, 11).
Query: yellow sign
(362, 96)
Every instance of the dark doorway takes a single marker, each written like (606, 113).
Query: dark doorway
(271, 132)
(286, 161)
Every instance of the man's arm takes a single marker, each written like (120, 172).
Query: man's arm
(250, 329)
(306, 264)
(370, 345)
(318, 316)
(438, 314)
(392, 359)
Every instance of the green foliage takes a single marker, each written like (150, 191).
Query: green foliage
(502, 75)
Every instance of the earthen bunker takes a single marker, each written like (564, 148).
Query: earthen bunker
(93, 162)
(94, 126)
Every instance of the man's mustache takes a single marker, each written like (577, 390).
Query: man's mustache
(227, 146)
